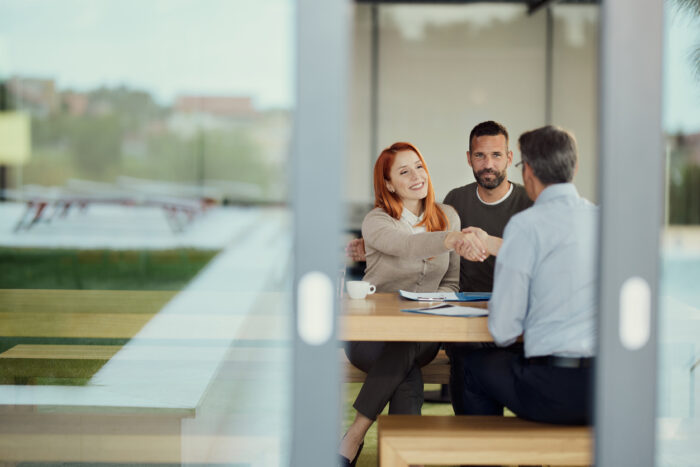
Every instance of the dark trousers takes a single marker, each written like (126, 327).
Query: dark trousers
(457, 352)
(393, 375)
(495, 378)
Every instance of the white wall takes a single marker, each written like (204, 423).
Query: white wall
(445, 68)
(575, 86)
(359, 157)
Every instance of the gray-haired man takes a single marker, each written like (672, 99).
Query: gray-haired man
(544, 289)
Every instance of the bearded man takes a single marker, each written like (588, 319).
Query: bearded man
(490, 201)
(488, 204)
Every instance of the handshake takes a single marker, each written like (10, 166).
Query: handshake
(472, 244)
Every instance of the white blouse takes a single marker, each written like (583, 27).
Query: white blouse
(410, 219)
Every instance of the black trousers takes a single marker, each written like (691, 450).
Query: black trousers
(457, 352)
(393, 375)
(494, 378)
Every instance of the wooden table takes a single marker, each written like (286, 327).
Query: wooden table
(379, 318)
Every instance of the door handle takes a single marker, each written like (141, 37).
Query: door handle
(635, 313)
(315, 308)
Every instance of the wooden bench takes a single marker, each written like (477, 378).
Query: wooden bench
(437, 371)
(483, 440)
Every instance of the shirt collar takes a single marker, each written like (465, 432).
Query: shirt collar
(557, 190)
(505, 197)
(410, 218)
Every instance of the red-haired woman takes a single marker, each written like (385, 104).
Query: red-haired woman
(410, 241)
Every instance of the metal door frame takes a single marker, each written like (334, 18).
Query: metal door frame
(631, 181)
(322, 61)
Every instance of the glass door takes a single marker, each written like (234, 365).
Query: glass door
(161, 205)
(678, 399)
(648, 356)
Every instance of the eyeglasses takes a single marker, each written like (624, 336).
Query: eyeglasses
(519, 164)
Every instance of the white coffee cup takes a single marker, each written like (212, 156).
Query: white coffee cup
(359, 289)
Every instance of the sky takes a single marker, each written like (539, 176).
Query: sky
(167, 47)
(226, 47)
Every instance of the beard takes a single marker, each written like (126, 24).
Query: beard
(489, 184)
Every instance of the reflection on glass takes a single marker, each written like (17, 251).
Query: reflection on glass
(144, 304)
(679, 339)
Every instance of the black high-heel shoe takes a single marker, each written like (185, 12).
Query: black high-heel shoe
(345, 462)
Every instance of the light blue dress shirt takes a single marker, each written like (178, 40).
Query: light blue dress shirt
(544, 283)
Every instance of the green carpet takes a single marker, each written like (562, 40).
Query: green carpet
(368, 458)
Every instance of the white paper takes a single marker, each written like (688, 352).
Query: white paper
(450, 310)
(429, 296)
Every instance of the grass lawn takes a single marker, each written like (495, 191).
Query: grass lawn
(42, 372)
(33, 268)
(37, 268)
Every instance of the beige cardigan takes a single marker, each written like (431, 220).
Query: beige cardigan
(400, 259)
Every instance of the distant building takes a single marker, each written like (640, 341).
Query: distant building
(219, 106)
(192, 114)
(74, 103)
(35, 95)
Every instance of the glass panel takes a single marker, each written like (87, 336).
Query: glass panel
(145, 307)
(678, 428)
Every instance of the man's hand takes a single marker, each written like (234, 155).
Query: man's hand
(355, 250)
(474, 246)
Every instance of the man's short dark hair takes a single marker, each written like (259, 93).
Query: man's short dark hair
(551, 153)
(489, 128)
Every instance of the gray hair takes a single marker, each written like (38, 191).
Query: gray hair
(551, 153)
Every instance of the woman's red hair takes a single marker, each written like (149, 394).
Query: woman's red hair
(433, 218)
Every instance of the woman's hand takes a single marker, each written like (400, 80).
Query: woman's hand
(453, 240)
(467, 245)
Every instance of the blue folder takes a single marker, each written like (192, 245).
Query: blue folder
(446, 296)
